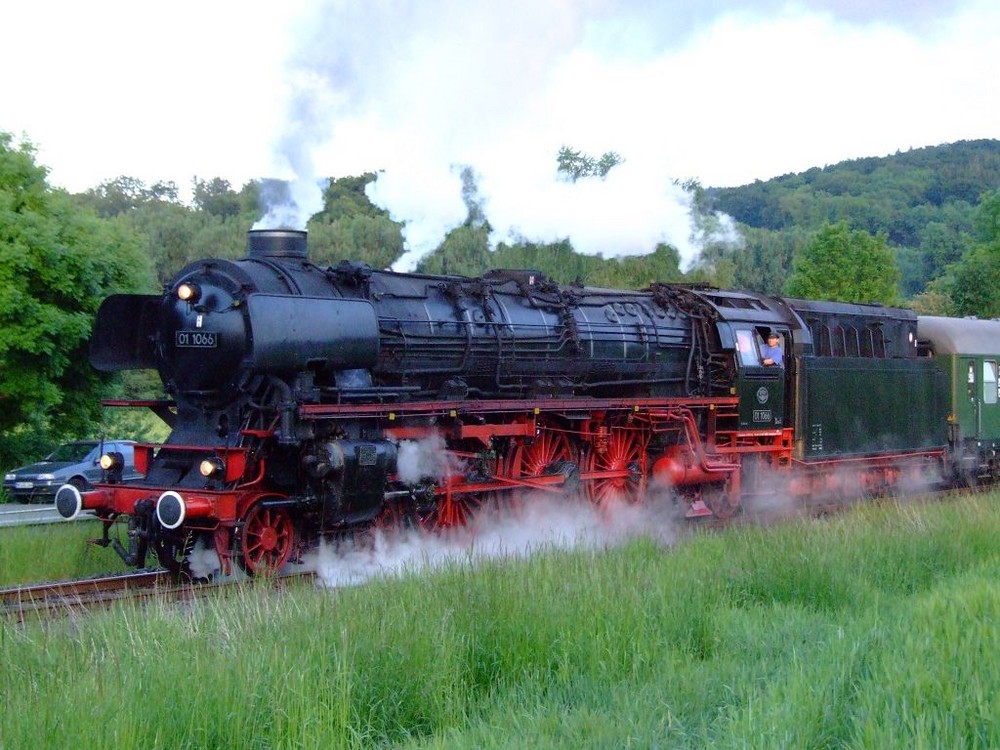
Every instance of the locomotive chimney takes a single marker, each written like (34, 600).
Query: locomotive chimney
(280, 244)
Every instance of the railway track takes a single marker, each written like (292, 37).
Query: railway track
(50, 599)
(47, 600)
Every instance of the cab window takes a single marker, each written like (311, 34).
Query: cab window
(746, 344)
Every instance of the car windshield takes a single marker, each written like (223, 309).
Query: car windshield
(71, 452)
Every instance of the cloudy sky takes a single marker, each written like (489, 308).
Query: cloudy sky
(719, 91)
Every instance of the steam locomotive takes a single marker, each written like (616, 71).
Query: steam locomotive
(307, 402)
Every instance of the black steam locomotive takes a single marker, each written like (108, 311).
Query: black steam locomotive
(308, 401)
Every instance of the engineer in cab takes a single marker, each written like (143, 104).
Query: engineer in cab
(771, 354)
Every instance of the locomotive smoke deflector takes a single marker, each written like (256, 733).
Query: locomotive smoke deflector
(124, 333)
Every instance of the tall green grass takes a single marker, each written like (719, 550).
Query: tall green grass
(873, 630)
(51, 552)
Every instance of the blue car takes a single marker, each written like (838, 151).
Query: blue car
(76, 463)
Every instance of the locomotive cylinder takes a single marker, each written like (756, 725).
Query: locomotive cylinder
(679, 467)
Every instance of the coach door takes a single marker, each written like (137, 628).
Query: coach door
(979, 411)
(970, 413)
(760, 387)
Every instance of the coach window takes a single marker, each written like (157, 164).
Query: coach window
(989, 382)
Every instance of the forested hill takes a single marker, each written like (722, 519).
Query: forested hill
(924, 200)
(898, 194)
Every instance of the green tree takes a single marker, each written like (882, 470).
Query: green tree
(351, 227)
(924, 201)
(125, 194)
(845, 265)
(932, 303)
(345, 197)
(57, 263)
(465, 251)
(973, 283)
(217, 197)
(987, 218)
(573, 165)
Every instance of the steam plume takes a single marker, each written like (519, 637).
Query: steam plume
(545, 522)
(497, 89)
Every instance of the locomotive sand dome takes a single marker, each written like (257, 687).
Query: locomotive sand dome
(294, 390)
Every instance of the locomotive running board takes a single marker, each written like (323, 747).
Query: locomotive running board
(553, 405)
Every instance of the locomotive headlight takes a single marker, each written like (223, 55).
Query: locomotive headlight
(112, 461)
(211, 467)
(189, 292)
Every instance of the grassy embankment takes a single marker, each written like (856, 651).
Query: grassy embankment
(877, 629)
(52, 552)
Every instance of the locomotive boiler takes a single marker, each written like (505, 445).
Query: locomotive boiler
(307, 401)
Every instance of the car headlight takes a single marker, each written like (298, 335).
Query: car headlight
(45, 477)
(9, 477)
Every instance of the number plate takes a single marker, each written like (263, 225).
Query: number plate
(23, 485)
(197, 339)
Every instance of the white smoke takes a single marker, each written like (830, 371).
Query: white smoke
(203, 561)
(634, 209)
(425, 459)
(416, 91)
(289, 204)
(543, 522)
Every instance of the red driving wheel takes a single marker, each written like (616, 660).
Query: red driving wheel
(267, 539)
(624, 463)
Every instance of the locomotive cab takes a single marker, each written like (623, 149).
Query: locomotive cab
(761, 378)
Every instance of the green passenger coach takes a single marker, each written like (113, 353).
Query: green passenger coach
(968, 349)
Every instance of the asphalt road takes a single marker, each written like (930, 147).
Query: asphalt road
(17, 514)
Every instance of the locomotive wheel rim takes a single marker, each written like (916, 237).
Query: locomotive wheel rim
(452, 512)
(719, 502)
(507, 500)
(534, 460)
(172, 554)
(626, 456)
(267, 539)
(392, 518)
(549, 448)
